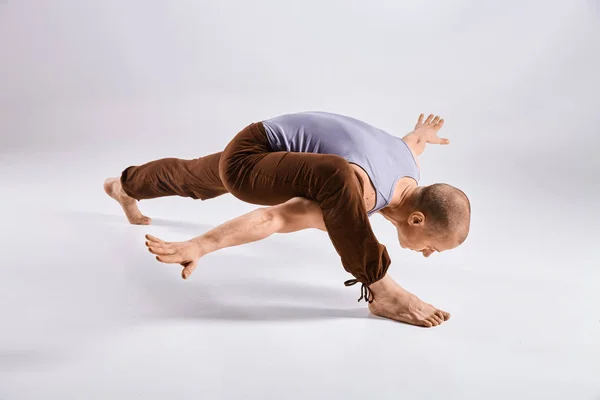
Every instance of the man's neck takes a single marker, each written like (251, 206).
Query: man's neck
(400, 202)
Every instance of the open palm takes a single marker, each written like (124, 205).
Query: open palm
(428, 129)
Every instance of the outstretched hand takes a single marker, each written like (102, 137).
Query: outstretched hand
(186, 254)
(428, 129)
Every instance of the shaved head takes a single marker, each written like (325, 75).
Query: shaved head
(447, 210)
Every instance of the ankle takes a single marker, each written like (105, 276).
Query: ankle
(382, 287)
(124, 197)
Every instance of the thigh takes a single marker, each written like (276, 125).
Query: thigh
(274, 178)
(251, 171)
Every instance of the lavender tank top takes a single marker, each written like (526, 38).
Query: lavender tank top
(385, 158)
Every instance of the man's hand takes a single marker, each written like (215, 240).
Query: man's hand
(186, 254)
(428, 130)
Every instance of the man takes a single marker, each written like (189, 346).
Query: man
(315, 170)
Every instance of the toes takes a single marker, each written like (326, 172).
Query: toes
(426, 323)
(442, 315)
(437, 319)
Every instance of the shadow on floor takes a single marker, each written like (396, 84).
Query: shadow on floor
(97, 217)
(264, 301)
(234, 287)
(246, 288)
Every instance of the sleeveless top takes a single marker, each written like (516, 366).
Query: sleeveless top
(385, 158)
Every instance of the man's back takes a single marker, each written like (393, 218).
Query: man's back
(385, 158)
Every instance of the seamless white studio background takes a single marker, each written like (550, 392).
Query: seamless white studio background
(90, 87)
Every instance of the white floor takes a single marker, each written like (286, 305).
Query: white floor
(89, 87)
(88, 313)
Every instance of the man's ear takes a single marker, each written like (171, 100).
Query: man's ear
(416, 219)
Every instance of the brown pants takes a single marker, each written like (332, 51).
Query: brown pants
(251, 171)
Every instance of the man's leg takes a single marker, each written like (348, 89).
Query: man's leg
(197, 179)
(252, 172)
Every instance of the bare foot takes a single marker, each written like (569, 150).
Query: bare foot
(186, 254)
(112, 187)
(394, 302)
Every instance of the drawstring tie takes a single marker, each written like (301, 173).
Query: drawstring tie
(365, 292)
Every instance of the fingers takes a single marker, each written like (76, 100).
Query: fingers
(171, 259)
(161, 250)
(171, 253)
(159, 247)
(165, 252)
(420, 120)
(189, 268)
(434, 120)
(437, 140)
(153, 239)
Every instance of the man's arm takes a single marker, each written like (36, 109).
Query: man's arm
(425, 132)
(292, 216)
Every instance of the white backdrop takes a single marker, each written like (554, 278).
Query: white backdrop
(88, 88)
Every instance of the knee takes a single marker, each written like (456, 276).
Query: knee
(228, 172)
(335, 169)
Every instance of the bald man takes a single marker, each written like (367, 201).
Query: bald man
(315, 170)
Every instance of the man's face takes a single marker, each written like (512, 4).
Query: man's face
(414, 235)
